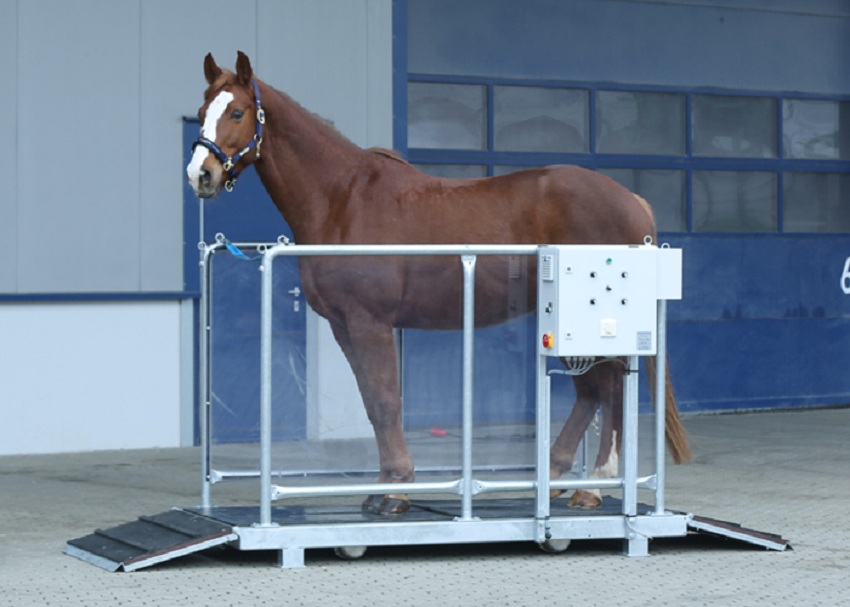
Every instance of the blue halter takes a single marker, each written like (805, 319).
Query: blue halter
(229, 162)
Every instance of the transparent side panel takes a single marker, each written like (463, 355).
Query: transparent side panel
(403, 337)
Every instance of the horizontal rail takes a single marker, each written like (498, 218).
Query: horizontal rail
(397, 249)
(279, 492)
(453, 487)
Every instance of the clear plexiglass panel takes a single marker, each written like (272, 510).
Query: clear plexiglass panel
(446, 116)
(321, 435)
(733, 126)
(734, 201)
(629, 122)
(536, 119)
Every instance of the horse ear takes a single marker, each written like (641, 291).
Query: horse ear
(244, 73)
(211, 70)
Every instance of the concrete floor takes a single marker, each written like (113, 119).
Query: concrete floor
(781, 472)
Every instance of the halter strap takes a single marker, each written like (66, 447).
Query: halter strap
(229, 162)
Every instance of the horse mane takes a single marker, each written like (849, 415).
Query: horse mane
(323, 124)
(388, 153)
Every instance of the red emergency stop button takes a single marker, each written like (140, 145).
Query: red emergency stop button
(548, 341)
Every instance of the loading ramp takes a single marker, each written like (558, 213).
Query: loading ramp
(150, 540)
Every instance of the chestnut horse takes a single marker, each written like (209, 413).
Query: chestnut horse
(330, 191)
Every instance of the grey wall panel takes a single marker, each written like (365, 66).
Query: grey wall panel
(175, 38)
(8, 145)
(79, 144)
(322, 54)
(92, 132)
(744, 44)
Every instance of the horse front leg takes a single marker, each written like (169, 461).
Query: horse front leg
(598, 388)
(370, 349)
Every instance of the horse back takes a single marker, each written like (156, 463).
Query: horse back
(399, 205)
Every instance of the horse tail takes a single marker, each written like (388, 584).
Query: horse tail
(675, 433)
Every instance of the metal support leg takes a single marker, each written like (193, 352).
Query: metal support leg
(542, 442)
(635, 545)
(468, 262)
(266, 395)
(291, 558)
(660, 406)
(204, 378)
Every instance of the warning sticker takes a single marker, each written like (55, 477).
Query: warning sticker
(644, 341)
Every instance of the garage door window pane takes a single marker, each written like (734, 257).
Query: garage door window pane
(813, 202)
(819, 130)
(734, 201)
(640, 123)
(740, 127)
(663, 189)
(447, 116)
(534, 119)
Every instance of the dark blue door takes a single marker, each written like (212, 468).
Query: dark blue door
(247, 215)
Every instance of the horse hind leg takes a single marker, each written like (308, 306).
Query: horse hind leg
(370, 349)
(563, 450)
(610, 390)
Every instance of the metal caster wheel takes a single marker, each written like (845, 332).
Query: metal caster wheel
(554, 546)
(350, 553)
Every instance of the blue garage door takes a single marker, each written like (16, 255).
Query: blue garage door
(752, 183)
(247, 215)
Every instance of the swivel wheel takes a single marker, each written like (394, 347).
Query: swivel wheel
(350, 553)
(553, 546)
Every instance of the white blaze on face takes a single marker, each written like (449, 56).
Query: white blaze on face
(208, 129)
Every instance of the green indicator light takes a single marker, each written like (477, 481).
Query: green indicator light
(609, 261)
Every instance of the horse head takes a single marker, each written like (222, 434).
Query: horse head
(231, 127)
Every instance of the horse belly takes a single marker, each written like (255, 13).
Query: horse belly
(505, 288)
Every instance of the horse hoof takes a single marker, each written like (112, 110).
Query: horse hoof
(386, 505)
(350, 553)
(585, 499)
(554, 546)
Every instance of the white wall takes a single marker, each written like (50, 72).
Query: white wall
(80, 376)
(91, 108)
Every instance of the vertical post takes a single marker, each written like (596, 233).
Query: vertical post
(660, 406)
(203, 377)
(542, 442)
(630, 437)
(266, 389)
(635, 544)
(468, 262)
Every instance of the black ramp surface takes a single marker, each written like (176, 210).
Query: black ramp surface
(150, 540)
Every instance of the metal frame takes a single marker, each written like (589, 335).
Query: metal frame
(633, 527)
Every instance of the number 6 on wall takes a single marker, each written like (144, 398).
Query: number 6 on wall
(845, 277)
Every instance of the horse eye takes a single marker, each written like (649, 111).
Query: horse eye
(236, 115)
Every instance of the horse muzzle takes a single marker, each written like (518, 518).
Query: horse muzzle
(205, 178)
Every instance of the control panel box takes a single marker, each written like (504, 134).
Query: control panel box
(601, 300)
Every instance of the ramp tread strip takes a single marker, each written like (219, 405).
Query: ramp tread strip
(152, 539)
